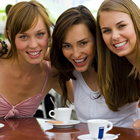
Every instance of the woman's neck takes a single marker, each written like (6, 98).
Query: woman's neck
(23, 69)
(89, 72)
(90, 77)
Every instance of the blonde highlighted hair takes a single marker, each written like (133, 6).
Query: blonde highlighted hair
(116, 76)
(22, 17)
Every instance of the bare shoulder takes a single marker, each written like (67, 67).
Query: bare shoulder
(52, 72)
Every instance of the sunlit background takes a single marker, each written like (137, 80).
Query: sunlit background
(54, 8)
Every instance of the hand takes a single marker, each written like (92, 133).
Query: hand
(136, 124)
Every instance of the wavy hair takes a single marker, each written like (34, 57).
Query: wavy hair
(70, 17)
(116, 76)
(22, 17)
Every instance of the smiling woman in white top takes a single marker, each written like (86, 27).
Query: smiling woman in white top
(74, 54)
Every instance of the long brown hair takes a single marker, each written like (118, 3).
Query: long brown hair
(116, 76)
(70, 17)
(21, 17)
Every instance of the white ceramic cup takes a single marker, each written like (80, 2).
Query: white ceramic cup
(99, 127)
(61, 114)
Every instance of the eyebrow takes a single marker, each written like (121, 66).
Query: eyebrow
(82, 40)
(65, 43)
(119, 22)
(77, 41)
(116, 24)
(41, 30)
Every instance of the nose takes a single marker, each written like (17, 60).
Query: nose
(33, 42)
(76, 52)
(115, 35)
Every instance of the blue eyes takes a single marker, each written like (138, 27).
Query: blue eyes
(108, 30)
(40, 34)
(25, 36)
(105, 31)
(121, 26)
(69, 46)
(83, 43)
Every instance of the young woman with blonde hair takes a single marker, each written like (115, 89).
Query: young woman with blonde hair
(25, 78)
(118, 43)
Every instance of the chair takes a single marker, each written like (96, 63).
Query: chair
(42, 108)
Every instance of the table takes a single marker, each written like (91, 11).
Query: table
(36, 129)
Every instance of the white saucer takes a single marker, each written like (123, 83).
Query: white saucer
(107, 137)
(67, 130)
(1, 125)
(69, 125)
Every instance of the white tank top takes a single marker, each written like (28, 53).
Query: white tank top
(87, 107)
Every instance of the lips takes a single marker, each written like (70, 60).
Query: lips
(120, 44)
(34, 53)
(80, 61)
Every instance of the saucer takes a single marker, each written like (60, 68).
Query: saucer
(1, 125)
(107, 137)
(71, 124)
(67, 130)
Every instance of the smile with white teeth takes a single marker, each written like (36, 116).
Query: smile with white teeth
(34, 53)
(120, 44)
(79, 61)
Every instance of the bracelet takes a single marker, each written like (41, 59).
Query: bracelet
(4, 49)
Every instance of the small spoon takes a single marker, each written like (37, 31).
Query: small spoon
(53, 103)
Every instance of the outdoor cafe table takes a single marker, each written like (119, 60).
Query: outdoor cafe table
(37, 129)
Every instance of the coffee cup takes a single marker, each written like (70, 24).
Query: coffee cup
(99, 127)
(61, 114)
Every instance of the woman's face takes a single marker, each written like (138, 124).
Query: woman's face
(78, 47)
(118, 33)
(32, 44)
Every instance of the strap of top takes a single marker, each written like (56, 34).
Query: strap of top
(48, 68)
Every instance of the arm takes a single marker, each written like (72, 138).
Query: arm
(70, 91)
(56, 85)
(69, 85)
